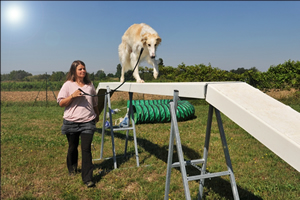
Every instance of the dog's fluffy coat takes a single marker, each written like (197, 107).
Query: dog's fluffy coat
(134, 38)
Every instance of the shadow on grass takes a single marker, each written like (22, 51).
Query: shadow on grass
(217, 184)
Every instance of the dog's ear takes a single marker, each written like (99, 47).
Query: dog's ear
(144, 38)
(158, 40)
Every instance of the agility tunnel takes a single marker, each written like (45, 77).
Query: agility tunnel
(156, 111)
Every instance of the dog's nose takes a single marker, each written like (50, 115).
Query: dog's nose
(152, 57)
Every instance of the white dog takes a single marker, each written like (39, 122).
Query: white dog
(136, 37)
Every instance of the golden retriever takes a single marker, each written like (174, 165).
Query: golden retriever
(134, 38)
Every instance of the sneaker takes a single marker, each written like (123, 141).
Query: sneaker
(125, 122)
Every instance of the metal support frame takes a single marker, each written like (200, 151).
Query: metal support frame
(174, 134)
(107, 103)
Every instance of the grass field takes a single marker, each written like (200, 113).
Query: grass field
(33, 159)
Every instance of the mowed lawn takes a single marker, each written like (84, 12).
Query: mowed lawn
(33, 159)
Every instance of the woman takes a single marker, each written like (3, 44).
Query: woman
(80, 117)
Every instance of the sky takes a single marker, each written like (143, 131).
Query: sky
(47, 36)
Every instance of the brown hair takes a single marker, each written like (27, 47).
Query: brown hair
(71, 76)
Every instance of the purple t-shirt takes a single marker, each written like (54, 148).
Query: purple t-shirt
(81, 109)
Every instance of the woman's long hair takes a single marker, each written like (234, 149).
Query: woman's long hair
(71, 76)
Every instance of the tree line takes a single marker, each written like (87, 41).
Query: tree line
(21, 75)
(282, 76)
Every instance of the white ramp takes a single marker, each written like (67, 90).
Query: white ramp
(274, 124)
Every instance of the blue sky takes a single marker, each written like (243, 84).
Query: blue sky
(50, 35)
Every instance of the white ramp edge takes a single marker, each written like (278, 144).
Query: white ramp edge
(187, 89)
(271, 122)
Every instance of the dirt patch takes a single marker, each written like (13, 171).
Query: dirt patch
(281, 94)
(26, 96)
(132, 188)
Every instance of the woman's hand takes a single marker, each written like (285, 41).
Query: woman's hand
(77, 93)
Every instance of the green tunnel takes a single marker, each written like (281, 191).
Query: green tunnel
(156, 111)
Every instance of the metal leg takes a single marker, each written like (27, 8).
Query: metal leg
(103, 127)
(170, 153)
(227, 156)
(135, 145)
(180, 153)
(111, 128)
(169, 164)
(206, 147)
(126, 143)
(131, 118)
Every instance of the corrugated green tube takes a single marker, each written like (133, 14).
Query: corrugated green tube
(155, 111)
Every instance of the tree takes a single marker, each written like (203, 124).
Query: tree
(100, 74)
(111, 75)
(239, 70)
(4, 77)
(141, 72)
(43, 76)
(128, 76)
(57, 76)
(243, 70)
(91, 76)
(119, 70)
(15, 75)
(160, 62)
(254, 69)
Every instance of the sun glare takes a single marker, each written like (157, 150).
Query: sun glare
(14, 14)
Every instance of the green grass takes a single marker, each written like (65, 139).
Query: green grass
(33, 159)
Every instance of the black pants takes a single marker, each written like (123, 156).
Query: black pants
(72, 157)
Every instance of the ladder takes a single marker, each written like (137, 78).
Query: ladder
(107, 103)
(174, 134)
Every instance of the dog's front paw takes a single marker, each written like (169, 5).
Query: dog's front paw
(140, 81)
(155, 75)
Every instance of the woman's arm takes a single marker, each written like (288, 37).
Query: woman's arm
(66, 101)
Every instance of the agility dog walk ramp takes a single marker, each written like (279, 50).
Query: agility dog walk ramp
(272, 123)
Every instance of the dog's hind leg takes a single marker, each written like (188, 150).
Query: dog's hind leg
(124, 59)
(125, 67)
(122, 78)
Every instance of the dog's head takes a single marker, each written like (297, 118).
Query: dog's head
(151, 41)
